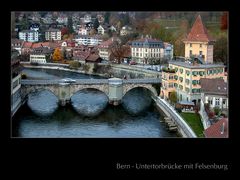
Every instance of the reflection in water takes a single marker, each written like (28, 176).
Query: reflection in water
(113, 122)
(89, 102)
(137, 100)
(42, 103)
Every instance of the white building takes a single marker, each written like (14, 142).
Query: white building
(62, 19)
(100, 29)
(40, 55)
(104, 49)
(214, 92)
(145, 48)
(28, 35)
(88, 40)
(168, 50)
(125, 30)
(83, 31)
(53, 34)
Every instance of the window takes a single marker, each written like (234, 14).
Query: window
(200, 45)
(190, 53)
(175, 85)
(188, 72)
(217, 103)
(175, 77)
(187, 81)
(200, 53)
(181, 79)
(181, 70)
(224, 101)
(190, 44)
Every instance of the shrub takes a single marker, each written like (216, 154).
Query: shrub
(86, 67)
(217, 110)
(23, 76)
(74, 64)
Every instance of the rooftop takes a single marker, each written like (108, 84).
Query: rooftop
(198, 66)
(198, 32)
(216, 86)
(218, 130)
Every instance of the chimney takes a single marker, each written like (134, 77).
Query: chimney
(222, 128)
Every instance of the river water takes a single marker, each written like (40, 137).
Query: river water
(88, 115)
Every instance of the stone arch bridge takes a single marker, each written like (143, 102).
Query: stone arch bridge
(114, 88)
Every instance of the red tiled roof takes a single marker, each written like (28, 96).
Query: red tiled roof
(198, 32)
(93, 57)
(27, 44)
(218, 130)
(215, 86)
(106, 44)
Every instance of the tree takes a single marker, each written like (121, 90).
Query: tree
(70, 25)
(117, 52)
(224, 21)
(57, 55)
(220, 50)
(173, 97)
(64, 31)
(107, 17)
(96, 24)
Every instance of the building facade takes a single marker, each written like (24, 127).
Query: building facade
(15, 82)
(215, 93)
(40, 55)
(28, 35)
(145, 48)
(53, 34)
(185, 79)
(88, 40)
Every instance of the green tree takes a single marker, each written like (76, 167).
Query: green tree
(70, 25)
(220, 49)
(173, 97)
(96, 24)
(107, 17)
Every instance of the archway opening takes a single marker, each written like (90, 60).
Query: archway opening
(89, 101)
(42, 102)
(137, 100)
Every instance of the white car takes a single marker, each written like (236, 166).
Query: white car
(68, 80)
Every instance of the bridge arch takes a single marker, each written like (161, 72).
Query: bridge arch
(128, 87)
(26, 90)
(76, 88)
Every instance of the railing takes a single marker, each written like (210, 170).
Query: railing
(89, 81)
(177, 118)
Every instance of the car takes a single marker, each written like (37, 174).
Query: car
(68, 80)
(132, 63)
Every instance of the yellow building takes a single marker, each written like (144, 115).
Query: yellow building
(184, 76)
(198, 43)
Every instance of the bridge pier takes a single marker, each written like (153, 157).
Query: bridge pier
(64, 94)
(115, 91)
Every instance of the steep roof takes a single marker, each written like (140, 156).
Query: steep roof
(218, 130)
(214, 86)
(198, 32)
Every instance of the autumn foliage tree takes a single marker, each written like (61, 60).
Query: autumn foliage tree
(57, 55)
(224, 21)
(64, 31)
(118, 52)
